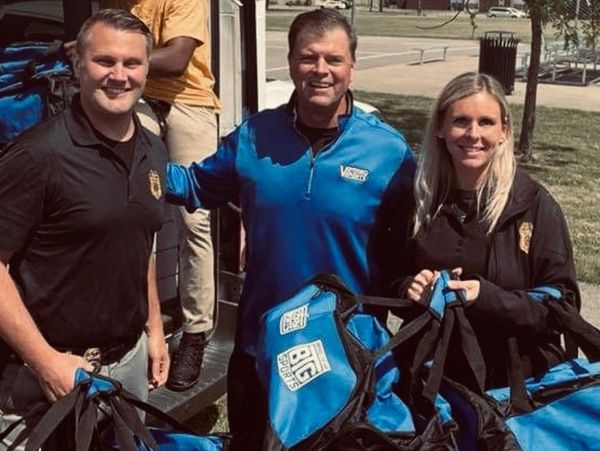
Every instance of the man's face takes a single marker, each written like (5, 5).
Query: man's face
(112, 72)
(321, 67)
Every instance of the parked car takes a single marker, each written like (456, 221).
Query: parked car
(334, 4)
(505, 11)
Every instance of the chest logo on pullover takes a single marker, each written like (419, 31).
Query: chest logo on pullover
(354, 174)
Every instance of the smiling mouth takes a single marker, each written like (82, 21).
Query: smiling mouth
(114, 91)
(320, 85)
(469, 149)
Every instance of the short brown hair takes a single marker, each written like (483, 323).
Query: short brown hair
(119, 19)
(320, 21)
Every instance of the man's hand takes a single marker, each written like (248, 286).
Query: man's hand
(158, 358)
(57, 375)
(54, 370)
(421, 285)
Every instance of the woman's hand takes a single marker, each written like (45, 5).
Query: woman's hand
(421, 285)
(470, 288)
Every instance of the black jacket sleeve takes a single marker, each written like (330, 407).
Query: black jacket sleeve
(551, 263)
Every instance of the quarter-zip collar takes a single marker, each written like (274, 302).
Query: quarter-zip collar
(291, 110)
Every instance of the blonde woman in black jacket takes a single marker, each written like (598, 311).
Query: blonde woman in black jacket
(476, 212)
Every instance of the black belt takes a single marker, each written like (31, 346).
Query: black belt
(104, 355)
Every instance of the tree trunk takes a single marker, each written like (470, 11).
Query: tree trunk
(380, 6)
(528, 125)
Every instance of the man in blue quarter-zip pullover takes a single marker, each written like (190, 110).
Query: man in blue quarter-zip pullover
(323, 189)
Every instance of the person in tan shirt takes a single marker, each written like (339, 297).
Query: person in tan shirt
(180, 90)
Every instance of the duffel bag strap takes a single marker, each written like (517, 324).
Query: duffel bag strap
(450, 320)
(577, 331)
(134, 401)
(53, 417)
(470, 346)
(83, 402)
(571, 323)
(520, 402)
(34, 411)
(584, 334)
(380, 301)
(405, 333)
(333, 282)
(127, 424)
(455, 322)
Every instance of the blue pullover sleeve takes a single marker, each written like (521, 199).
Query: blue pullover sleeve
(208, 184)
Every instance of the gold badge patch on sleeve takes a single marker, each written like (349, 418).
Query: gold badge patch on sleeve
(525, 233)
(154, 180)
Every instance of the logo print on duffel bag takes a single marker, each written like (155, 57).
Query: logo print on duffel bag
(301, 364)
(293, 320)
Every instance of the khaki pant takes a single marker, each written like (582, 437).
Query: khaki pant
(191, 136)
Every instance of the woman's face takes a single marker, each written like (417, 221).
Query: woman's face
(472, 130)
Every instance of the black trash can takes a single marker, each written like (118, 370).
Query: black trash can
(498, 57)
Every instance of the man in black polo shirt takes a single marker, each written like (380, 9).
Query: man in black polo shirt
(81, 198)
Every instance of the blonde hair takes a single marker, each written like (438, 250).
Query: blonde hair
(435, 176)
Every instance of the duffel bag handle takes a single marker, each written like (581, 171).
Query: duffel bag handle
(585, 335)
(447, 306)
(84, 401)
(350, 301)
(440, 317)
(334, 282)
(570, 322)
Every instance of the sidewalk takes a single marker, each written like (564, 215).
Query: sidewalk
(428, 79)
(590, 296)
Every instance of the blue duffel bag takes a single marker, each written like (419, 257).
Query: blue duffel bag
(556, 411)
(36, 82)
(99, 414)
(330, 376)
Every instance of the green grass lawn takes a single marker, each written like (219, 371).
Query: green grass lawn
(394, 23)
(567, 162)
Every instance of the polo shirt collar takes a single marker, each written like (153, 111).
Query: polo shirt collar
(81, 131)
